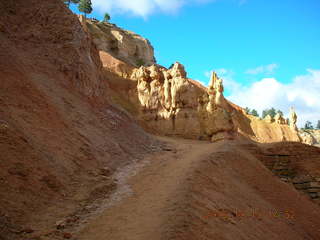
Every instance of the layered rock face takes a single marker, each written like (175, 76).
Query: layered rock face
(121, 44)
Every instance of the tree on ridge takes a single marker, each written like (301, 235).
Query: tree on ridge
(308, 125)
(254, 113)
(85, 6)
(106, 17)
(70, 1)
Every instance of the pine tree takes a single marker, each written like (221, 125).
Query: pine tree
(318, 124)
(308, 125)
(272, 112)
(85, 6)
(106, 17)
(264, 113)
(254, 113)
(280, 112)
(247, 110)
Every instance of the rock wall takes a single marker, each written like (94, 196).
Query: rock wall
(293, 163)
(121, 44)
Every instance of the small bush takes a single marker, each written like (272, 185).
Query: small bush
(140, 62)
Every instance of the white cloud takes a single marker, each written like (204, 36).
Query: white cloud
(267, 69)
(142, 8)
(303, 93)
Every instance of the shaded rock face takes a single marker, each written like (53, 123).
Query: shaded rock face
(285, 161)
(121, 44)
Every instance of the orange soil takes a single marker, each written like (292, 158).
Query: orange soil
(201, 190)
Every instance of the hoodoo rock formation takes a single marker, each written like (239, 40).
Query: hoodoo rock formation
(168, 103)
(293, 120)
(215, 112)
(279, 119)
(167, 100)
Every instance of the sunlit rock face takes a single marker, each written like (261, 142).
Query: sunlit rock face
(166, 102)
(124, 45)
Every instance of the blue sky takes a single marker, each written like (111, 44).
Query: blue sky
(262, 48)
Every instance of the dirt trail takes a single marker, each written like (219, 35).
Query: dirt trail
(194, 191)
(144, 214)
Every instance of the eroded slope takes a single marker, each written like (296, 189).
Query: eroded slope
(58, 128)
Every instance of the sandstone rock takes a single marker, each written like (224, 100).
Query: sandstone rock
(121, 44)
(293, 120)
(310, 137)
(269, 119)
(115, 65)
(307, 138)
(169, 103)
(279, 119)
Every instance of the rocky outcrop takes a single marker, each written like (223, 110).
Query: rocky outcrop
(269, 119)
(167, 100)
(215, 112)
(169, 103)
(293, 120)
(121, 44)
(280, 119)
(284, 160)
(310, 137)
